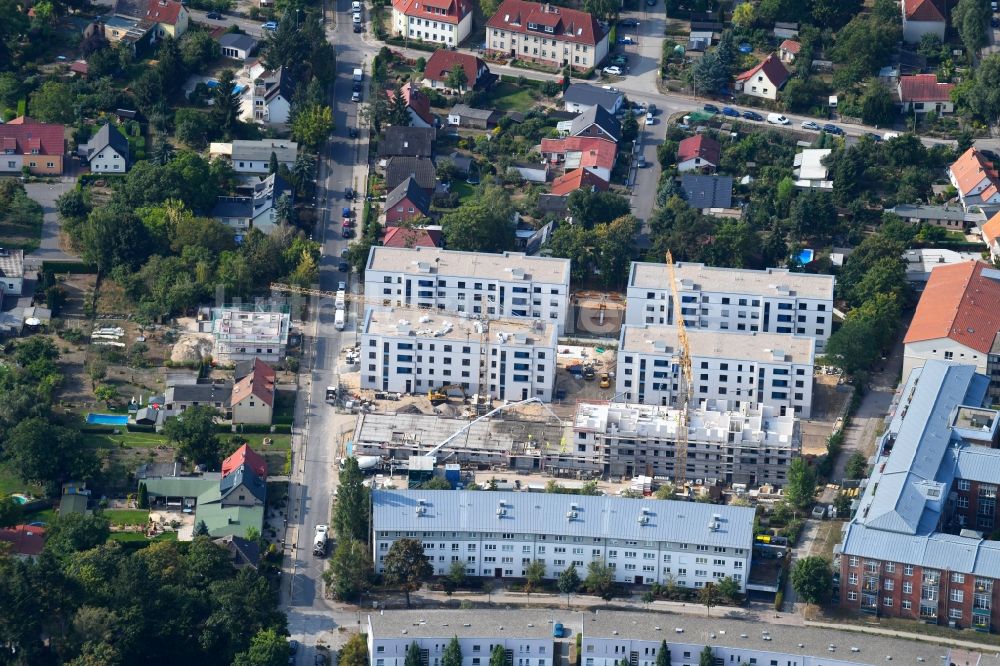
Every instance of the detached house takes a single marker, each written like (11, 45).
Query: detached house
(789, 50)
(594, 122)
(581, 96)
(417, 104)
(441, 63)
(108, 151)
(921, 93)
(420, 169)
(28, 143)
(922, 17)
(159, 18)
(406, 202)
(253, 396)
(764, 80)
(976, 180)
(255, 211)
(271, 98)
(412, 237)
(445, 21)
(593, 153)
(578, 179)
(991, 236)
(546, 34)
(11, 272)
(698, 153)
(407, 142)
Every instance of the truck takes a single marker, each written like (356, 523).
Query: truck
(319, 541)
(359, 74)
(331, 393)
(341, 299)
(339, 318)
(365, 463)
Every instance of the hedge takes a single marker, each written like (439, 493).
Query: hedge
(252, 428)
(283, 429)
(410, 44)
(98, 430)
(68, 267)
(134, 427)
(521, 80)
(88, 178)
(224, 428)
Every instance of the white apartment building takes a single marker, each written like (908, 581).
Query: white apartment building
(497, 534)
(761, 368)
(738, 300)
(727, 441)
(511, 284)
(407, 350)
(242, 335)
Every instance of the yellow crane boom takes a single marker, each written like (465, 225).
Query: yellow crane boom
(684, 381)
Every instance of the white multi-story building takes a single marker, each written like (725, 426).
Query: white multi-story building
(727, 441)
(498, 534)
(407, 350)
(242, 335)
(760, 368)
(510, 285)
(738, 300)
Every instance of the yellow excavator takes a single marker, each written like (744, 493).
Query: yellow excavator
(440, 395)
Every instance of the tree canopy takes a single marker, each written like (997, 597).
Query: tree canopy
(812, 579)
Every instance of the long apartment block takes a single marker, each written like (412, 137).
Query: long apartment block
(736, 300)
(497, 534)
(727, 441)
(761, 368)
(409, 350)
(511, 284)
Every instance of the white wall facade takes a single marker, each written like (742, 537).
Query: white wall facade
(11, 163)
(915, 354)
(11, 285)
(759, 85)
(272, 112)
(429, 30)
(547, 48)
(252, 410)
(610, 650)
(108, 161)
(391, 650)
(914, 30)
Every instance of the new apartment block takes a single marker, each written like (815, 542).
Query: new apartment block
(242, 335)
(920, 544)
(736, 300)
(498, 534)
(408, 350)
(760, 368)
(728, 441)
(478, 284)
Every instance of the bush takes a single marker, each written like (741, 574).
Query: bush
(283, 429)
(256, 428)
(76, 267)
(779, 600)
(140, 428)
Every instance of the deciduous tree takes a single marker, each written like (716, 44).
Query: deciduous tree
(568, 582)
(195, 435)
(349, 571)
(600, 579)
(406, 565)
(812, 579)
(350, 513)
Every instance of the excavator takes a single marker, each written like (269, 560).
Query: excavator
(440, 395)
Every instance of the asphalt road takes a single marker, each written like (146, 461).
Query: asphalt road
(246, 25)
(46, 195)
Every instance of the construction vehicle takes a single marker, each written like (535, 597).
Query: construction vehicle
(605, 380)
(331, 393)
(588, 372)
(684, 382)
(441, 395)
(319, 541)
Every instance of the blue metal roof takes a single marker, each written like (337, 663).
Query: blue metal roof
(546, 513)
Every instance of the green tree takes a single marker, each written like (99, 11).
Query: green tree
(412, 657)
(812, 579)
(600, 579)
(801, 484)
(878, 107)
(312, 125)
(743, 15)
(51, 103)
(861, 48)
(200, 529)
(267, 648)
(42, 452)
(456, 78)
(106, 393)
(568, 582)
(602, 10)
(482, 224)
(706, 658)
(533, 575)
(406, 565)
(354, 652)
(729, 588)
(663, 654)
(498, 656)
(350, 514)
(592, 208)
(710, 74)
(971, 18)
(709, 596)
(10, 512)
(630, 127)
(456, 575)
(76, 532)
(272, 165)
(226, 103)
(194, 434)
(73, 204)
(437, 483)
(349, 571)
(397, 113)
(452, 655)
(833, 14)
(143, 497)
(856, 466)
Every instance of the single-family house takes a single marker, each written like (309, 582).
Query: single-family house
(437, 71)
(253, 396)
(788, 50)
(946, 217)
(412, 237)
(785, 30)
(421, 169)
(809, 169)
(764, 80)
(462, 115)
(107, 151)
(698, 153)
(237, 46)
(596, 121)
(533, 172)
(417, 103)
(547, 34)
(407, 142)
(245, 456)
(80, 68)
(977, 181)
(253, 157)
(258, 210)
(922, 17)
(270, 98)
(709, 194)
(25, 142)
(244, 553)
(180, 397)
(581, 96)
(922, 93)
(991, 236)
(573, 152)
(406, 202)
(11, 272)
(578, 179)
(446, 22)
(162, 18)
(25, 542)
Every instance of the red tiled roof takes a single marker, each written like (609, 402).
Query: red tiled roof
(415, 100)
(770, 67)
(258, 382)
(455, 10)
(410, 237)
(991, 230)
(701, 146)
(959, 303)
(595, 151)
(80, 67)
(577, 179)
(924, 88)
(163, 11)
(922, 10)
(791, 46)
(245, 456)
(442, 61)
(970, 169)
(568, 25)
(24, 539)
(30, 134)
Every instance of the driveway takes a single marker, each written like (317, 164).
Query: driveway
(46, 195)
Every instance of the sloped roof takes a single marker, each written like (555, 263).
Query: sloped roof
(260, 383)
(597, 115)
(567, 24)
(407, 141)
(108, 135)
(223, 519)
(970, 169)
(991, 230)
(584, 93)
(415, 100)
(924, 88)
(410, 237)
(707, 191)
(961, 302)
(24, 539)
(399, 169)
(922, 10)
(791, 46)
(237, 40)
(577, 179)
(157, 11)
(594, 151)
(409, 189)
(245, 456)
(25, 134)
(241, 476)
(442, 61)
(12, 263)
(701, 146)
(771, 67)
(454, 10)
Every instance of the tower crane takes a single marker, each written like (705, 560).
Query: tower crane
(684, 381)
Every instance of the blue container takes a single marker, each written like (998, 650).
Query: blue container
(453, 474)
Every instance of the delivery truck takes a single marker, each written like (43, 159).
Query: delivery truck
(339, 319)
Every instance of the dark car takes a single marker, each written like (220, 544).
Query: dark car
(215, 16)
(348, 193)
(348, 232)
(357, 86)
(711, 108)
(830, 128)
(628, 22)
(651, 3)
(343, 253)
(873, 136)
(352, 132)
(319, 660)
(293, 646)
(730, 111)
(358, 27)
(753, 115)
(651, 109)
(344, 267)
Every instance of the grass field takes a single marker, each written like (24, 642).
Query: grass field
(129, 439)
(21, 227)
(507, 96)
(139, 536)
(124, 517)
(11, 483)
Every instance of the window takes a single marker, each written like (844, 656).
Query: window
(907, 588)
(887, 602)
(888, 584)
(907, 569)
(964, 484)
(957, 578)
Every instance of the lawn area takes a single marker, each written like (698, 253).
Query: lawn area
(507, 96)
(462, 189)
(128, 439)
(47, 516)
(11, 483)
(21, 226)
(123, 517)
(279, 442)
(139, 536)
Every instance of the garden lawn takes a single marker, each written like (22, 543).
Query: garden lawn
(278, 443)
(507, 96)
(124, 517)
(462, 189)
(139, 536)
(128, 439)
(12, 483)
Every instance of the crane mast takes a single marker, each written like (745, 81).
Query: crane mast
(684, 380)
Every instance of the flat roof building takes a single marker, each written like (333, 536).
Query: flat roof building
(242, 335)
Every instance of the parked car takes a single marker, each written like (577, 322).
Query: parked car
(830, 128)
(649, 118)
(810, 125)
(605, 380)
(356, 6)
(293, 646)
(629, 22)
(652, 109)
(270, 25)
(215, 16)
(877, 138)
(347, 232)
(557, 630)
(730, 111)
(626, 40)
(347, 223)
(710, 108)
(352, 132)
(355, 96)
(777, 119)
(348, 193)
(613, 70)
(753, 115)
(640, 161)
(651, 3)
(341, 286)
(357, 27)
(343, 253)
(620, 60)
(356, 18)
(344, 267)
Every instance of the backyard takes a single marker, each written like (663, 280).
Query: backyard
(509, 96)
(20, 218)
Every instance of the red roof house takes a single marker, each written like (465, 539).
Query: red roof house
(517, 22)
(443, 61)
(411, 237)
(577, 179)
(253, 396)
(593, 153)
(788, 50)
(446, 22)
(922, 17)
(976, 180)
(698, 152)
(28, 143)
(764, 80)
(245, 456)
(24, 541)
(417, 103)
(922, 93)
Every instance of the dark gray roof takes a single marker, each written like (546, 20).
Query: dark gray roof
(233, 207)
(552, 204)
(245, 552)
(409, 189)
(597, 115)
(708, 191)
(242, 369)
(265, 193)
(242, 475)
(278, 81)
(462, 162)
(203, 393)
(584, 93)
(108, 135)
(399, 169)
(407, 142)
(470, 112)
(236, 40)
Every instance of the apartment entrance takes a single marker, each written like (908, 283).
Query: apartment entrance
(638, 580)
(498, 572)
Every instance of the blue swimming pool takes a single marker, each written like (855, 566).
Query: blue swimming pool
(212, 83)
(806, 256)
(108, 419)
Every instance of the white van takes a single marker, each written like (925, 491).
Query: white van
(355, 6)
(777, 119)
(338, 319)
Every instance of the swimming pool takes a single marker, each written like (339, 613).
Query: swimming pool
(212, 83)
(107, 419)
(806, 256)
(19, 498)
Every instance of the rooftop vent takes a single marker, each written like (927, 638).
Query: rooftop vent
(679, 630)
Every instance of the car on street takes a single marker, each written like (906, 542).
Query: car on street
(613, 70)
(347, 232)
(347, 223)
(352, 132)
(345, 211)
(810, 125)
(215, 16)
(650, 118)
(753, 115)
(605, 380)
(348, 193)
(356, 6)
(777, 119)
(341, 286)
(651, 3)
(652, 109)
(270, 25)
(877, 138)
(357, 86)
(710, 108)
(343, 267)
(629, 23)
(356, 18)
(641, 161)
(293, 646)
(730, 111)
(830, 128)
(319, 660)
(343, 253)
(626, 40)
(357, 27)
(620, 60)
(355, 96)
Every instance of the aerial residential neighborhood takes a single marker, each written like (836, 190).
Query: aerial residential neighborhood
(499, 332)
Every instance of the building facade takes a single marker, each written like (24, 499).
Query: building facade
(242, 335)
(547, 34)
(40, 147)
(760, 368)
(499, 534)
(407, 350)
(510, 285)
(11, 272)
(446, 22)
(736, 300)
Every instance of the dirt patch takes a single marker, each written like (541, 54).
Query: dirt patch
(829, 399)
